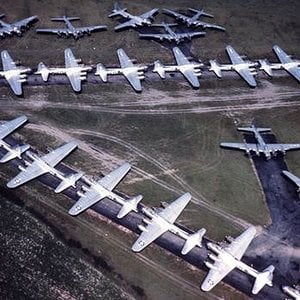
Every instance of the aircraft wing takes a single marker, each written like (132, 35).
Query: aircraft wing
(154, 231)
(174, 209)
(283, 147)
(247, 76)
(86, 201)
(191, 77)
(57, 155)
(239, 245)
(240, 146)
(52, 30)
(234, 56)
(25, 22)
(7, 62)
(134, 80)
(294, 71)
(220, 270)
(149, 13)
(75, 80)
(31, 172)
(125, 61)
(111, 180)
(282, 56)
(180, 57)
(155, 35)
(292, 177)
(35, 170)
(9, 126)
(190, 34)
(174, 14)
(70, 60)
(91, 28)
(13, 80)
(130, 23)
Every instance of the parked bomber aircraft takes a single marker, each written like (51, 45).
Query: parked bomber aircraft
(194, 20)
(7, 128)
(74, 71)
(41, 165)
(101, 189)
(16, 27)
(294, 293)
(260, 147)
(134, 21)
(14, 75)
(162, 220)
(246, 69)
(70, 30)
(286, 63)
(133, 73)
(293, 178)
(171, 35)
(229, 258)
(190, 70)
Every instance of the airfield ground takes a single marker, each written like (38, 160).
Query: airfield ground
(170, 133)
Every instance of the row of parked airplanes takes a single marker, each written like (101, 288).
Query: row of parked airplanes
(76, 72)
(133, 21)
(158, 221)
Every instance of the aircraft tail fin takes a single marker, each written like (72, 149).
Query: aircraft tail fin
(129, 206)
(263, 278)
(14, 152)
(102, 72)
(193, 240)
(117, 10)
(216, 68)
(159, 68)
(266, 67)
(43, 71)
(68, 181)
(200, 12)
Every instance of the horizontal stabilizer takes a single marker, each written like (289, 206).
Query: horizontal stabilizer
(160, 69)
(14, 152)
(68, 181)
(215, 67)
(266, 67)
(43, 71)
(200, 12)
(254, 129)
(263, 278)
(65, 18)
(117, 10)
(193, 240)
(102, 72)
(129, 205)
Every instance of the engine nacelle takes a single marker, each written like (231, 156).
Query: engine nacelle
(142, 228)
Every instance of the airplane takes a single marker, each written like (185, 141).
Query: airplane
(162, 220)
(74, 71)
(194, 20)
(7, 128)
(293, 178)
(16, 27)
(103, 188)
(294, 293)
(134, 21)
(246, 69)
(286, 63)
(171, 35)
(190, 70)
(229, 258)
(41, 165)
(260, 147)
(14, 75)
(133, 73)
(70, 30)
